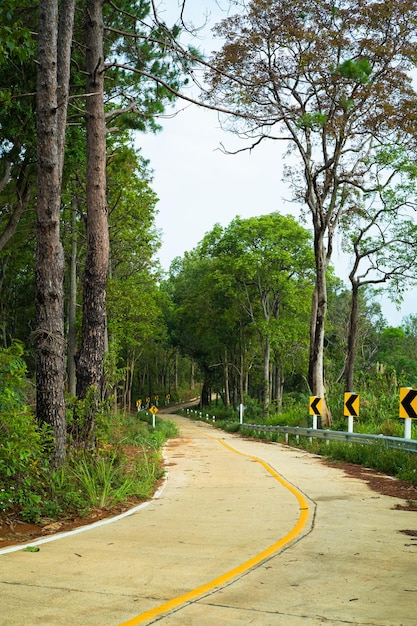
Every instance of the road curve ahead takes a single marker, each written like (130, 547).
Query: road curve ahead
(243, 533)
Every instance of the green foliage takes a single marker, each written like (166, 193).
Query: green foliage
(359, 71)
(396, 356)
(100, 476)
(242, 298)
(293, 412)
(111, 475)
(86, 418)
(22, 443)
(148, 70)
(16, 40)
(396, 463)
(347, 104)
(105, 481)
(315, 121)
(253, 410)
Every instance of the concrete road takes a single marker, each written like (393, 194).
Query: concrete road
(243, 533)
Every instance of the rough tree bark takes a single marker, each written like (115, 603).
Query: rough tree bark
(90, 357)
(352, 336)
(72, 305)
(52, 98)
(318, 318)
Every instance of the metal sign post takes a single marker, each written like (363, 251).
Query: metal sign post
(241, 410)
(154, 411)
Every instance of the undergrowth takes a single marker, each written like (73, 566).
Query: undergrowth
(124, 461)
(112, 473)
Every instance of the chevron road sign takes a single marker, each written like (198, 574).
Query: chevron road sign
(316, 405)
(408, 402)
(351, 406)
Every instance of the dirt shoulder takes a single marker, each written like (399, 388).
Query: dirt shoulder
(381, 483)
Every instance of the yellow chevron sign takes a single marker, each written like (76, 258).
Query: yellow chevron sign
(351, 406)
(316, 405)
(408, 402)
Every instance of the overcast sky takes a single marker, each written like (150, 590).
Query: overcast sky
(198, 185)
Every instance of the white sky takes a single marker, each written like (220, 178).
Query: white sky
(198, 185)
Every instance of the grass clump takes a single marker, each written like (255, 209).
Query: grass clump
(108, 479)
(127, 465)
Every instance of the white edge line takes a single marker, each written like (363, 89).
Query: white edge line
(103, 522)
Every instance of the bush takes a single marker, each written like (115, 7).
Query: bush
(291, 415)
(22, 463)
(96, 474)
(108, 479)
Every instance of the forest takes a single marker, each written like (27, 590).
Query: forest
(92, 329)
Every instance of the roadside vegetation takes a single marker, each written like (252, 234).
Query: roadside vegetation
(122, 467)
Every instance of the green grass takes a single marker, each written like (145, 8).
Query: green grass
(378, 456)
(104, 481)
(129, 465)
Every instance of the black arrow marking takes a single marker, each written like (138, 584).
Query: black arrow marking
(314, 406)
(406, 402)
(349, 404)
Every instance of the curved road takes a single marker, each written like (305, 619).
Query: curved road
(243, 533)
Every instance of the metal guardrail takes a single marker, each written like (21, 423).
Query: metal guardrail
(410, 445)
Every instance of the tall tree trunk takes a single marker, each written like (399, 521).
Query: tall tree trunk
(132, 371)
(278, 386)
(192, 370)
(52, 98)
(266, 394)
(176, 370)
(90, 358)
(72, 305)
(226, 380)
(242, 378)
(65, 33)
(352, 334)
(205, 394)
(319, 310)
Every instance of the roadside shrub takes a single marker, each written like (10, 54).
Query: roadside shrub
(253, 411)
(22, 464)
(104, 480)
(291, 415)
(97, 473)
(89, 420)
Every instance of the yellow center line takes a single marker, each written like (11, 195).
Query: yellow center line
(221, 580)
